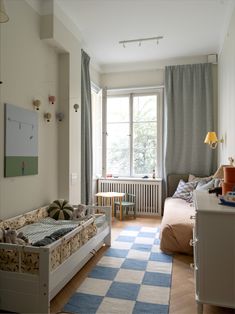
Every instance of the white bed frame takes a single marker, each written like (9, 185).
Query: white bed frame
(31, 293)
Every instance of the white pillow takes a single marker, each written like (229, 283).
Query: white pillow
(208, 185)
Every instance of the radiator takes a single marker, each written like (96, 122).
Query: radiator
(148, 193)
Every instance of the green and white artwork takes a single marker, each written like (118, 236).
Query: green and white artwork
(21, 142)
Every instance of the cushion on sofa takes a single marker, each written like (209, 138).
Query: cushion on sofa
(184, 190)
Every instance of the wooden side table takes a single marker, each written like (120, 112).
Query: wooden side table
(110, 196)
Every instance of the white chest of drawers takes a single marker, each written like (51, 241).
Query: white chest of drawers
(214, 251)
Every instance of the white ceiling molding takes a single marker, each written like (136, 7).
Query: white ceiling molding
(153, 65)
(229, 12)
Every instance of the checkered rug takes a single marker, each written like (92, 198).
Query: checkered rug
(133, 276)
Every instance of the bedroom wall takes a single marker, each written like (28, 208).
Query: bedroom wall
(226, 88)
(28, 69)
(150, 77)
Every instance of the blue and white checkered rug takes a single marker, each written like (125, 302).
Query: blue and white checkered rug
(133, 276)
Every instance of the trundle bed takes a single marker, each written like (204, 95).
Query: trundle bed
(31, 276)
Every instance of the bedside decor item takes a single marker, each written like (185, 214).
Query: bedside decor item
(212, 140)
(228, 199)
(3, 15)
(229, 179)
(48, 116)
(231, 161)
(36, 104)
(21, 142)
(79, 211)
(60, 209)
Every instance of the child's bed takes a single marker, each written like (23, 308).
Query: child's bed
(31, 276)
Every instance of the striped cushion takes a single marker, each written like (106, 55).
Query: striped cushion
(60, 209)
(185, 190)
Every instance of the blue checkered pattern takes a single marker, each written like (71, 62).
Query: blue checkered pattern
(133, 276)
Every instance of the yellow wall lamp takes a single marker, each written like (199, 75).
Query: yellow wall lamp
(212, 140)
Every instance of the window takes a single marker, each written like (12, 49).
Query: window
(133, 134)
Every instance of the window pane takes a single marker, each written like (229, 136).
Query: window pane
(144, 108)
(144, 147)
(118, 109)
(118, 149)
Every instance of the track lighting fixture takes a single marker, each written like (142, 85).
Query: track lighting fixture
(140, 40)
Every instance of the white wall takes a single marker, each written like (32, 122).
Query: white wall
(140, 78)
(226, 112)
(56, 34)
(28, 69)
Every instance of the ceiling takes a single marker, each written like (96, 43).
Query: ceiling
(190, 28)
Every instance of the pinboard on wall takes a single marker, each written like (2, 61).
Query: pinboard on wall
(21, 142)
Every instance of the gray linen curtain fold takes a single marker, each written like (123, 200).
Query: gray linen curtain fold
(86, 132)
(188, 116)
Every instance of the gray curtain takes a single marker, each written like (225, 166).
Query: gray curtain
(86, 132)
(188, 116)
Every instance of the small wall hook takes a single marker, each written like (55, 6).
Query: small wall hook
(60, 116)
(52, 99)
(47, 116)
(36, 104)
(76, 106)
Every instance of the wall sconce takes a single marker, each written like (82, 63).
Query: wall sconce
(47, 116)
(36, 104)
(76, 106)
(52, 99)
(3, 15)
(212, 140)
(60, 116)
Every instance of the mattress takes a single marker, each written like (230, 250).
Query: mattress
(177, 227)
(45, 227)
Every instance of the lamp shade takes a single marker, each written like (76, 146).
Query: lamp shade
(219, 174)
(211, 137)
(3, 15)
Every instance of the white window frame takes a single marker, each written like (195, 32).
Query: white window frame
(131, 93)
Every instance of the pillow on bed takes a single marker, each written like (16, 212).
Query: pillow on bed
(60, 210)
(192, 177)
(202, 185)
(185, 190)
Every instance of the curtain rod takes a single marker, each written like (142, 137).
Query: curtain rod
(135, 88)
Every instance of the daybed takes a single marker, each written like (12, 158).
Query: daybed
(31, 276)
(177, 225)
(176, 230)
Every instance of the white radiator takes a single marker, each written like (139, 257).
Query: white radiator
(148, 193)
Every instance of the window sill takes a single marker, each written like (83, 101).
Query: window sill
(130, 179)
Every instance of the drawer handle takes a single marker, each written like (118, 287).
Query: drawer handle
(192, 265)
(192, 217)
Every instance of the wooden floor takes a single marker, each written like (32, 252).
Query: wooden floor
(182, 298)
